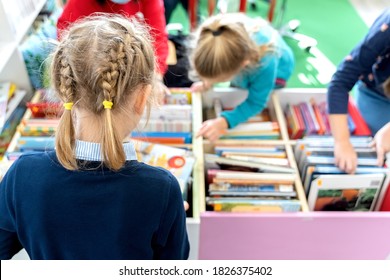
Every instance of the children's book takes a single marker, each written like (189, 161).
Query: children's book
(344, 192)
(253, 205)
(361, 128)
(262, 167)
(227, 189)
(178, 161)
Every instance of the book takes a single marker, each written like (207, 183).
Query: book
(227, 189)
(253, 205)
(265, 160)
(361, 128)
(184, 137)
(178, 161)
(344, 192)
(6, 92)
(263, 167)
(254, 178)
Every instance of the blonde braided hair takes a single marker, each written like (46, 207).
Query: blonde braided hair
(101, 58)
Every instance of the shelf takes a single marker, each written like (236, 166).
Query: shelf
(24, 27)
(6, 50)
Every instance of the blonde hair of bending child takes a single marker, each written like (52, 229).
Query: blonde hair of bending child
(100, 59)
(224, 44)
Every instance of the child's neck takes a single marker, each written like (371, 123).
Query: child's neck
(89, 128)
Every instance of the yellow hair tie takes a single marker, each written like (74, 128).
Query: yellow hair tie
(68, 106)
(107, 104)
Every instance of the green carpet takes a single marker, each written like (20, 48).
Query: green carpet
(333, 23)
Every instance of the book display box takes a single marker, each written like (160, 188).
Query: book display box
(287, 235)
(298, 235)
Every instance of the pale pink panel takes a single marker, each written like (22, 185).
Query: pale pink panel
(315, 235)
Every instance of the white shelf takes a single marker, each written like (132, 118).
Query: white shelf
(24, 27)
(6, 50)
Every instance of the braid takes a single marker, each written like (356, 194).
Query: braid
(112, 152)
(66, 80)
(65, 135)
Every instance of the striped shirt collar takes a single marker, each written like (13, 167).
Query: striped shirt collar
(90, 151)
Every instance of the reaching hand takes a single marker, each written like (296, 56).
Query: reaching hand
(200, 86)
(382, 143)
(213, 129)
(345, 156)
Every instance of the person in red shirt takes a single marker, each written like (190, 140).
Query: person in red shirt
(152, 11)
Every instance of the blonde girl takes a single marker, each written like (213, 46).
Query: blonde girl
(249, 53)
(91, 198)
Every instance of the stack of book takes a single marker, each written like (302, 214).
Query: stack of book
(330, 189)
(259, 127)
(245, 177)
(310, 118)
(36, 133)
(170, 123)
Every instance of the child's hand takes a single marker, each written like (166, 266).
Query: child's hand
(200, 86)
(213, 129)
(382, 143)
(345, 156)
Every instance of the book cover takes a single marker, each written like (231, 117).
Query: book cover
(344, 192)
(178, 161)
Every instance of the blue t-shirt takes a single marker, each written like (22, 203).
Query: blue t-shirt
(369, 62)
(277, 63)
(93, 213)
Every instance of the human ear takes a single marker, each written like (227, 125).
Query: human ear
(141, 99)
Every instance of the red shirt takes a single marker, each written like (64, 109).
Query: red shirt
(152, 10)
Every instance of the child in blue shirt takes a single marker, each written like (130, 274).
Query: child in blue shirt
(91, 198)
(249, 53)
(368, 67)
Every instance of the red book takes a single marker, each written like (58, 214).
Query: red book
(361, 126)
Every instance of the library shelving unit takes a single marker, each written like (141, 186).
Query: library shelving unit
(16, 18)
(294, 235)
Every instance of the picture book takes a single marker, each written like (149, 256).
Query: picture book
(324, 169)
(7, 91)
(344, 192)
(178, 161)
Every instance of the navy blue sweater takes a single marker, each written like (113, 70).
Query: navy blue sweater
(54, 213)
(369, 62)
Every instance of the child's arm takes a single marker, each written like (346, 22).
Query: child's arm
(260, 85)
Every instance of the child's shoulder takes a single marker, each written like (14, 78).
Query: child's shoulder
(153, 171)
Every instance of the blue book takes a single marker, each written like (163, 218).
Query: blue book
(187, 136)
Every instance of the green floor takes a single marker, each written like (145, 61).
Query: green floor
(333, 23)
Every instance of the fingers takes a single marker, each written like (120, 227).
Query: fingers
(210, 131)
(186, 205)
(203, 130)
(380, 155)
(372, 144)
(348, 165)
